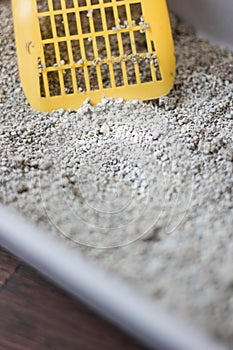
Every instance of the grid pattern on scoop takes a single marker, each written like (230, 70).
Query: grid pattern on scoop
(93, 45)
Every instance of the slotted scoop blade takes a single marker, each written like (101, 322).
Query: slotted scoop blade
(70, 50)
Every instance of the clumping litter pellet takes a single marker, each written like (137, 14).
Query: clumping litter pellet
(143, 189)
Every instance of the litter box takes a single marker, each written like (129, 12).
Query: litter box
(136, 314)
(212, 19)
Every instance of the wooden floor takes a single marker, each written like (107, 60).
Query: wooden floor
(35, 314)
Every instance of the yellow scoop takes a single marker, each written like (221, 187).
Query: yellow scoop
(70, 50)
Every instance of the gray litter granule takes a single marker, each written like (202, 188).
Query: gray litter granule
(145, 189)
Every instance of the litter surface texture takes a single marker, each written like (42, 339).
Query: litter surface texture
(143, 189)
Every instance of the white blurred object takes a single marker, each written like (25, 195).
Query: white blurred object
(117, 301)
(212, 19)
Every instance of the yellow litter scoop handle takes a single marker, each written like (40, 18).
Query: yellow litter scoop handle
(70, 50)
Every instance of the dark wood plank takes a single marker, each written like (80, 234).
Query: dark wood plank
(8, 265)
(37, 315)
